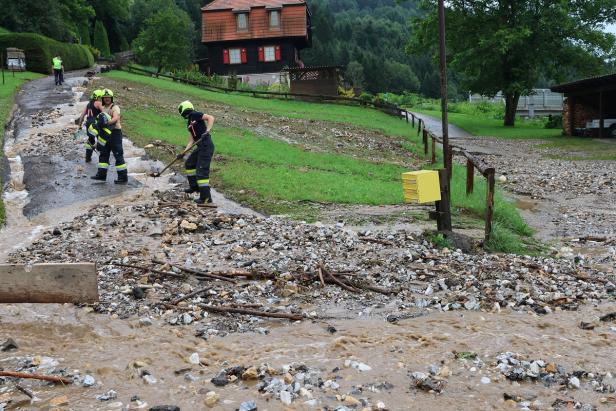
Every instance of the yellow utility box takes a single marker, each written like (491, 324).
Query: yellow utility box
(421, 186)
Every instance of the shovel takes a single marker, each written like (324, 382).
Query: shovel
(158, 174)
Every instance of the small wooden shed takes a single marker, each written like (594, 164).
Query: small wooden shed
(321, 81)
(15, 59)
(590, 106)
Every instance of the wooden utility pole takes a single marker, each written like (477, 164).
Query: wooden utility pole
(444, 207)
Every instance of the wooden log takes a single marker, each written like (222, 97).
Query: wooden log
(49, 283)
(470, 176)
(50, 378)
(246, 311)
(489, 205)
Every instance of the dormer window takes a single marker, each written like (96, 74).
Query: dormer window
(274, 18)
(242, 21)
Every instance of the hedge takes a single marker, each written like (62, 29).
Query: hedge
(40, 50)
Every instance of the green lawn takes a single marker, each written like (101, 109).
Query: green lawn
(359, 116)
(488, 127)
(7, 94)
(275, 177)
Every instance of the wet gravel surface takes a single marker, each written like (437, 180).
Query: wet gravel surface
(410, 276)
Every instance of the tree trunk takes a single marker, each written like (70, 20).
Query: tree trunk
(511, 104)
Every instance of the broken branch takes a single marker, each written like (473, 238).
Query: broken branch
(195, 272)
(152, 270)
(189, 295)
(236, 310)
(50, 378)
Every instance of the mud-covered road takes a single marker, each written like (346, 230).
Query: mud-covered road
(421, 328)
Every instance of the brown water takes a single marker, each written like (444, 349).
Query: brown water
(105, 348)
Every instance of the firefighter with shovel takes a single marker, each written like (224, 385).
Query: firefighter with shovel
(197, 165)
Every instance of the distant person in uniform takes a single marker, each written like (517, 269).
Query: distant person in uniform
(58, 70)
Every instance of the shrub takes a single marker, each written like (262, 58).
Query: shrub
(554, 121)
(40, 50)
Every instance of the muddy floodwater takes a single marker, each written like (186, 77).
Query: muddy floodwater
(107, 349)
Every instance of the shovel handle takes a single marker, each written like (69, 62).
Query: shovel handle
(173, 162)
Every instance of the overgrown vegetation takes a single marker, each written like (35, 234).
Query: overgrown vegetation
(275, 177)
(7, 94)
(40, 50)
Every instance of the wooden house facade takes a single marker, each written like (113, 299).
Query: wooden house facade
(255, 36)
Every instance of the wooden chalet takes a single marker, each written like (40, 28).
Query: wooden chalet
(255, 36)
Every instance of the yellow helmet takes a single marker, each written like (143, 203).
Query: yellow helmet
(184, 106)
(107, 93)
(96, 94)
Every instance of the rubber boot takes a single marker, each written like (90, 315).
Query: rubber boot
(122, 177)
(204, 195)
(89, 155)
(192, 185)
(101, 175)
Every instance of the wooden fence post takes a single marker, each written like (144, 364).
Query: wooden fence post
(425, 141)
(413, 120)
(489, 203)
(433, 149)
(443, 217)
(406, 114)
(449, 161)
(470, 176)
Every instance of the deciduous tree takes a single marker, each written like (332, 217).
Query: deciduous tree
(169, 47)
(508, 45)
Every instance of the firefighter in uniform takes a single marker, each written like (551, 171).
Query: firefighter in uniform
(198, 162)
(110, 139)
(89, 114)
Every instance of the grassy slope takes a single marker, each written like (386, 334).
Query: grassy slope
(272, 170)
(487, 127)
(7, 93)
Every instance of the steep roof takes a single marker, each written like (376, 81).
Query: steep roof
(247, 4)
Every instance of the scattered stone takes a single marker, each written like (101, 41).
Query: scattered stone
(9, 345)
(165, 408)
(248, 406)
(211, 399)
(485, 380)
(194, 359)
(109, 395)
(88, 381)
(58, 401)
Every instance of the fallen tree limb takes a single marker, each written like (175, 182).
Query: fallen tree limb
(321, 276)
(338, 282)
(189, 295)
(25, 391)
(152, 270)
(50, 378)
(195, 272)
(245, 311)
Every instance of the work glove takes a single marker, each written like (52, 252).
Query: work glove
(179, 156)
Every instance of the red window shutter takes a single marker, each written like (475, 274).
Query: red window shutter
(225, 56)
(243, 56)
(277, 53)
(261, 54)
